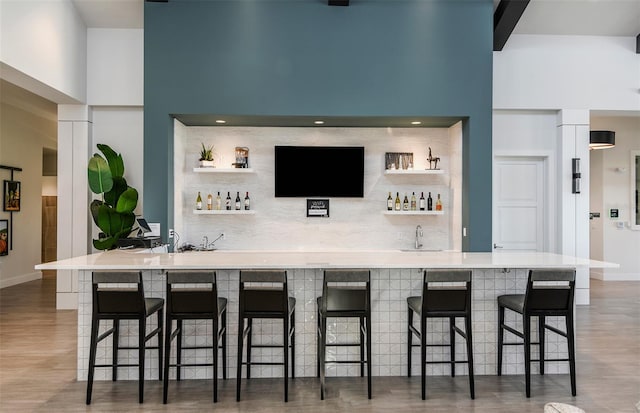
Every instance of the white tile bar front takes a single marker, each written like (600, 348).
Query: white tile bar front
(395, 276)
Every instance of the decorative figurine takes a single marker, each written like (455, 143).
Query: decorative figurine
(433, 160)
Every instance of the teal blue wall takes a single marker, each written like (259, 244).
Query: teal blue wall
(303, 57)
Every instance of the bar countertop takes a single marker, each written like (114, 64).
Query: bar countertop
(302, 259)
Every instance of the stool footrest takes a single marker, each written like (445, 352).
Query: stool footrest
(345, 361)
(116, 365)
(261, 363)
(137, 348)
(192, 365)
(446, 362)
(343, 345)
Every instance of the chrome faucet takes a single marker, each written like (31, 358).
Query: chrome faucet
(419, 235)
(205, 242)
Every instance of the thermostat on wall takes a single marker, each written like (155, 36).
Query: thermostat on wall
(613, 213)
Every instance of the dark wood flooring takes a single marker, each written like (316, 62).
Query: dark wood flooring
(38, 370)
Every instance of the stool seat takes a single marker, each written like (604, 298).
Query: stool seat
(193, 295)
(345, 293)
(513, 302)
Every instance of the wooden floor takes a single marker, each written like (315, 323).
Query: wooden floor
(38, 370)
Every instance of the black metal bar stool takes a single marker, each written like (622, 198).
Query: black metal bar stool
(193, 295)
(445, 294)
(550, 292)
(123, 303)
(345, 294)
(263, 294)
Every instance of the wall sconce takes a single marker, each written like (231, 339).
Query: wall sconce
(575, 168)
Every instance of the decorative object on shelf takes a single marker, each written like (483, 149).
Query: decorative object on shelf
(4, 237)
(242, 157)
(206, 157)
(318, 208)
(398, 160)
(11, 196)
(575, 175)
(433, 160)
(114, 213)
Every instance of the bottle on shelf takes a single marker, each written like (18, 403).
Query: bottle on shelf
(397, 201)
(199, 201)
(209, 202)
(429, 203)
(238, 204)
(218, 202)
(389, 203)
(227, 203)
(422, 201)
(405, 203)
(438, 204)
(247, 202)
(413, 201)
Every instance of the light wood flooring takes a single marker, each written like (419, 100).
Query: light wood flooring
(38, 370)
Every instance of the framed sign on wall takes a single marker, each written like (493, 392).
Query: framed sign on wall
(318, 208)
(11, 199)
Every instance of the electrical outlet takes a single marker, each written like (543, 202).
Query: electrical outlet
(171, 233)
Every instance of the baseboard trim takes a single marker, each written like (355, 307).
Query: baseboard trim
(19, 279)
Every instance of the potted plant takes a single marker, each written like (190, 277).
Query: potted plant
(113, 214)
(206, 157)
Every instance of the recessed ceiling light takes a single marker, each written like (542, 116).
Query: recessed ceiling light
(416, 122)
(221, 121)
(318, 122)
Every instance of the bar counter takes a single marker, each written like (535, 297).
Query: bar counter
(395, 275)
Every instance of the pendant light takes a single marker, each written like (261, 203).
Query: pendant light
(602, 139)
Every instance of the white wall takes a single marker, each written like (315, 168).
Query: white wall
(115, 67)
(281, 223)
(24, 130)
(573, 72)
(620, 245)
(43, 48)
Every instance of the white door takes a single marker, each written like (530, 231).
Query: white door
(518, 204)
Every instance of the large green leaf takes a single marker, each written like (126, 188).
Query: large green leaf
(127, 201)
(95, 204)
(119, 186)
(128, 219)
(100, 178)
(116, 164)
(104, 243)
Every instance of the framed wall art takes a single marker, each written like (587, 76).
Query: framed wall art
(4, 237)
(11, 198)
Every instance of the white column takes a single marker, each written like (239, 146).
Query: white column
(74, 145)
(573, 142)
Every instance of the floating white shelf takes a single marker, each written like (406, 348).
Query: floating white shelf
(223, 212)
(224, 170)
(413, 212)
(413, 172)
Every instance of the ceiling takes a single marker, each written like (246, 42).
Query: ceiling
(557, 17)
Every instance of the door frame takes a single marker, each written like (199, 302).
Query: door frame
(550, 217)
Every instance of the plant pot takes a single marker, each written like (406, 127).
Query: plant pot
(207, 164)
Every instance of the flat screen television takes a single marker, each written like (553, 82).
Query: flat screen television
(314, 171)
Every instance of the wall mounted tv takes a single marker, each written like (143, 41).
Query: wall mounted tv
(313, 171)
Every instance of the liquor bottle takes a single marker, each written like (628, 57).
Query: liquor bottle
(422, 201)
(218, 202)
(413, 201)
(209, 202)
(389, 203)
(238, 205)
(438, 204)
(397, 201)
(405, 203)
(247, 202)
(199, 201)
(429, 203)
(228, 202)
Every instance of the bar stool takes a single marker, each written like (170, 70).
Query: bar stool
(123, 303)
(263, 294)
(550, 292)
(442, 301)
(345, 294)
(193, 295)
